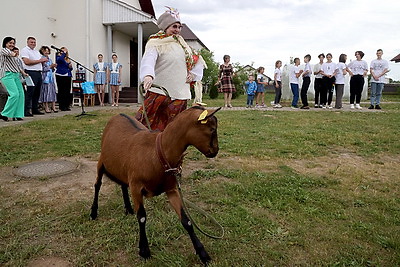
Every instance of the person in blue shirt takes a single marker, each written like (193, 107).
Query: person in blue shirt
(251, 89)
(64, 79)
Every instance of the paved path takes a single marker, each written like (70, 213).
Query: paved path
(134, 106)
(74, 111)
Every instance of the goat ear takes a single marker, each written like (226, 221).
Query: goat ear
(205, 115)
(213, 112)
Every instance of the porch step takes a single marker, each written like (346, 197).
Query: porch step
(128, 95)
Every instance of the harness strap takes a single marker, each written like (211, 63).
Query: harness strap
(161, 157)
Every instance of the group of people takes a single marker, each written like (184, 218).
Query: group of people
(33, 71)
(330, 78)
(19, 99)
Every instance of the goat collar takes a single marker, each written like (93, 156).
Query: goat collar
(161, 157)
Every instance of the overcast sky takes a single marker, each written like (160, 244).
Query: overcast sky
(264, 31)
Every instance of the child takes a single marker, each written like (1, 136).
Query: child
(339, 80)
(328, 80)
(295, 73)
(278, 83)
(306, 82)
(251, 90)
(260, 87)
(100, 69)
(115, 79)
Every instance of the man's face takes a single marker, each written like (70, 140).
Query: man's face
(31, 43)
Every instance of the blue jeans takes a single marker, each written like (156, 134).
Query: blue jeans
(376, 93)
(250, 99)
(295, 91)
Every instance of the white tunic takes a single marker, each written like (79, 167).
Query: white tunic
(164, 60)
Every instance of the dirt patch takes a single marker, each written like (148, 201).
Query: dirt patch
(49, 262)
(65, 188)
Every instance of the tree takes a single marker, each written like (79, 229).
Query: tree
(238, 80)
(210, 75)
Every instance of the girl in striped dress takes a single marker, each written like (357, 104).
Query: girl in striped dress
(115, 79)
(100, 79)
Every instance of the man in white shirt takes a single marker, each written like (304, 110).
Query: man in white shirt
(378, 68)
(32, 60)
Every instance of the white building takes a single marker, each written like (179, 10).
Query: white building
(86, 28)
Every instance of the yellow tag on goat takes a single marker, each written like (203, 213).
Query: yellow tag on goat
(202, 116)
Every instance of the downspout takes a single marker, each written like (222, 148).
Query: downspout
(88, 52)
(140, 53)
(108, 58)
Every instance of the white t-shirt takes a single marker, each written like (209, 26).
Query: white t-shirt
(378, 66)
(328, 68)
(317, 67)
(278, 74)
(339, 77)
(292, 77)
(307, 67)
(358, 67)
(31, 54)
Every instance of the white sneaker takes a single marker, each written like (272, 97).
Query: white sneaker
(316, 106)
(330, 106)
(278, 106)
(358, 106)
(352, 106)
(323, 106)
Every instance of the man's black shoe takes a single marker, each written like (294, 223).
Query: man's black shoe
(28, 114)
(38, 113)
(378, 107)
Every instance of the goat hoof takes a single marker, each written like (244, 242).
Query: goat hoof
(93, 215)
(128, 211)
(145, 253)
(204, 257)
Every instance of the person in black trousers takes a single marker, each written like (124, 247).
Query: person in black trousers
(318, 80)
(64, 79)
(306, 82)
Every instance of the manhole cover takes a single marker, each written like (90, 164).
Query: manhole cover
(46, 169)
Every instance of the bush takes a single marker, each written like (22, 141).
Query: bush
(213, 91)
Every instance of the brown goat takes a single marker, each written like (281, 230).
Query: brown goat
(138, 159)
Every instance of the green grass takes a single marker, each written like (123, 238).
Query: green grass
(290, 188)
